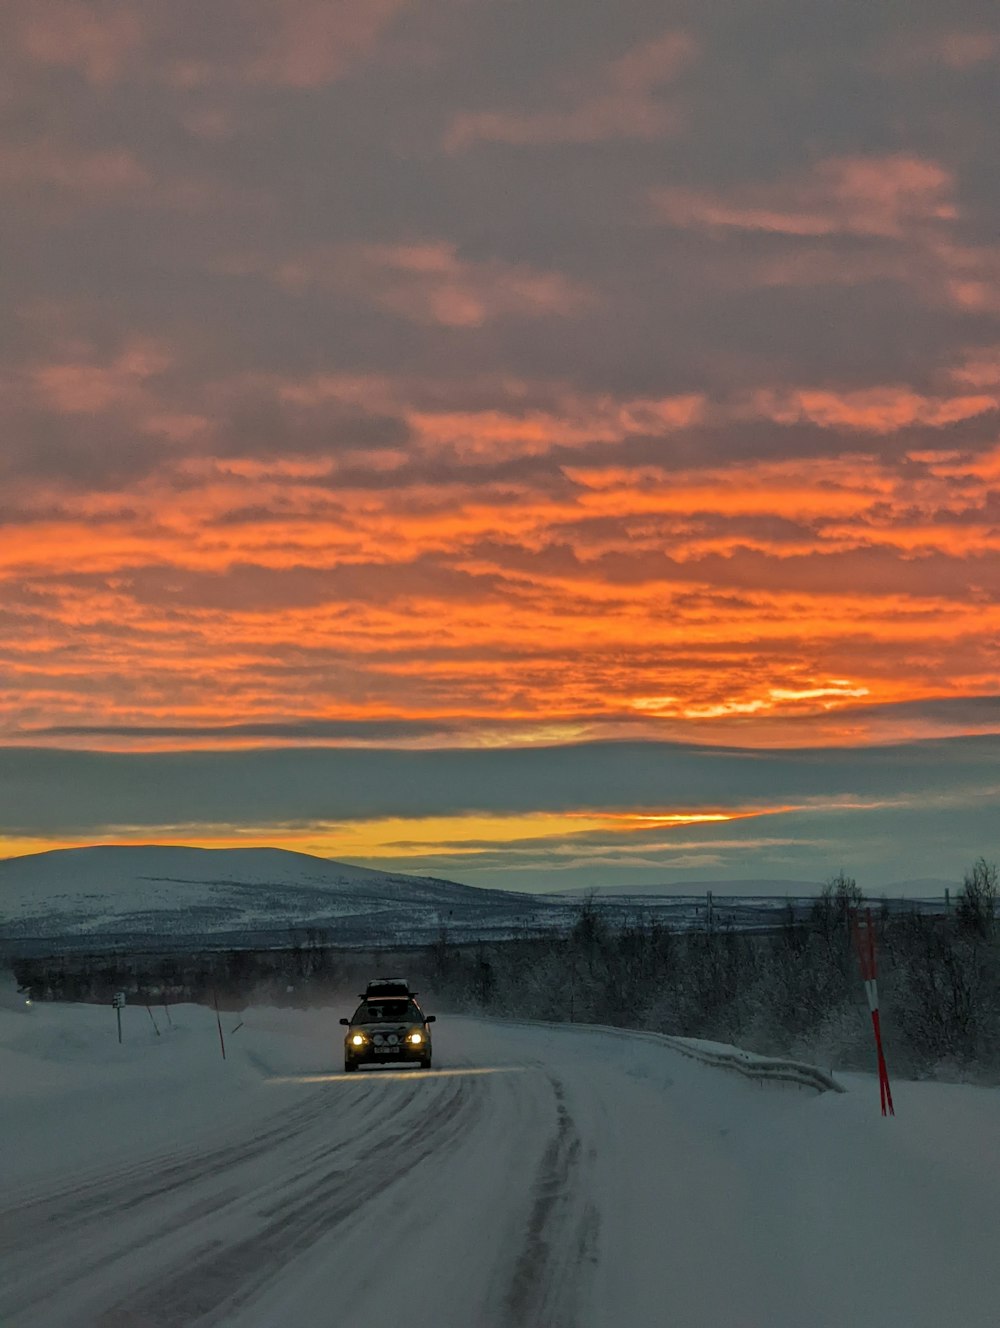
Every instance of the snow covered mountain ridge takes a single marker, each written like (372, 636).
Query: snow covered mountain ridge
(146, 890)
(151, 894)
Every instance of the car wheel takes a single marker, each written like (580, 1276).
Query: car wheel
(349, 1067)
(425, 1064)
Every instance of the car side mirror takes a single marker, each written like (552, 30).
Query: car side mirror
(346, 1021)
(431, 1018)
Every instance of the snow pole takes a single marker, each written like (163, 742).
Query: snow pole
(864, 941)
(218, 1020)
(152, 1020)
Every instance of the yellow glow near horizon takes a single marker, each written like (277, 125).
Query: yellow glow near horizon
(396, 838)
(399, 838)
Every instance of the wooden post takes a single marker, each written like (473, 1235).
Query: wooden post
(218, 1020)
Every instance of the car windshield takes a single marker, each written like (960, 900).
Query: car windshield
(381, 1012)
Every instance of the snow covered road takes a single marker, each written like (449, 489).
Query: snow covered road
(545, 1177)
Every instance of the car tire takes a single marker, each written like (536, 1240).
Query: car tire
(425, 1064)
(349, 1067)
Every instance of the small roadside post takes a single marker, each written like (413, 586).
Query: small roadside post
(218, 1020)
(864, 941)
(119, 1003)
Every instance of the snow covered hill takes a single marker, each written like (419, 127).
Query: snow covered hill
(153, 895)
(151, 892)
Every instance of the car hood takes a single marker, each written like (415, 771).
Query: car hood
(389, 1028)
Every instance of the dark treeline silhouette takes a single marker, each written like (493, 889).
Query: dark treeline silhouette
(795, 990)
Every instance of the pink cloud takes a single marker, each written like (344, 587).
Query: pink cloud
(959, 50)
(296, 44)
(521, 419)
(969, 275)
(428, 282)
(312, 42)
(940, 271)
(94, 174)
(875, 196)
(86, 387)
(98, 37)
(979, 368)
(55, 179)
(964, 50)
(622, 102)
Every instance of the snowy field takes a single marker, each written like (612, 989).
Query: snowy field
(538, 1177)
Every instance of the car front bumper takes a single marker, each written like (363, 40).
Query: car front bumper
(369, 1054)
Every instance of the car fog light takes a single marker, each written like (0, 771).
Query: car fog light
(415, 1038)
(358, 1040)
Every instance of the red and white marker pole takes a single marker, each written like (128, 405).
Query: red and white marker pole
(864, 940)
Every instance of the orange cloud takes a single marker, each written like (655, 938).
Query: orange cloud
(879, 410)
(569, 569)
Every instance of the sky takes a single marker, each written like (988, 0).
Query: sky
(534, 442)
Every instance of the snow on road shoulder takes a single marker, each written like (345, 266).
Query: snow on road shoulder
(74, 1098)
(549, 1175)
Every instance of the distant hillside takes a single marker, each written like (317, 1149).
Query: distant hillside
(155, 892)
(163, 897)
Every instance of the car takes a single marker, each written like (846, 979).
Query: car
(388, 1027)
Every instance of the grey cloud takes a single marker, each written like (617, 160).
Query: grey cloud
(870, 570)
(971, 711)
(259, 423)
(249, 587)
(55, 791)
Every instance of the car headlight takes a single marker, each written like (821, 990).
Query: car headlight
(415, 1038)
(358, 1040)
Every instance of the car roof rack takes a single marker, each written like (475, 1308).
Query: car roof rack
(387, 989)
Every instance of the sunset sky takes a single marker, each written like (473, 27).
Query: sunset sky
(533, 442)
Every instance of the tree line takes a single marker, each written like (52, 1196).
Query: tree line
(794, 990)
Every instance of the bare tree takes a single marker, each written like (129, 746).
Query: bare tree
(975, 907)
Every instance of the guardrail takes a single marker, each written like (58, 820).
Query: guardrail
(752, 1066)
(746, 1063)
